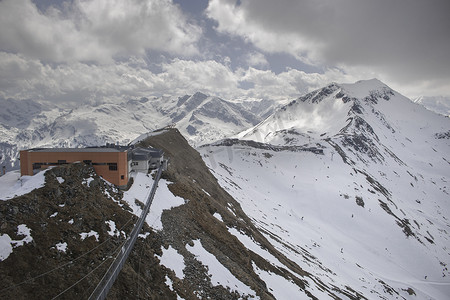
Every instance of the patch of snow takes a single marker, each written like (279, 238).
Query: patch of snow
(22, 229)
(206, 192)
(87, 181)
(60, 179)
(54, 215)
(112, 228)
(7, 181)
(61, 205)
(173, 260)
(61, 247)
(85, 235)
(70, 221)
(231, 211)
(218, 216)
(5, 246)
(164, 199)
(13, 185)
(140, 190)
(146, 135)
(143, 235)
(219, 274)
(109, 195)
(169, 283)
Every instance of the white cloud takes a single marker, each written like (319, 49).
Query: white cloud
(95, 30)
(26, 78)
(289, 84)
(257, 59)
(187, 76)
(131, 26)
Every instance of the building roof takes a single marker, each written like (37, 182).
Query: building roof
(146, 153)
(136, 153)
(93, 149)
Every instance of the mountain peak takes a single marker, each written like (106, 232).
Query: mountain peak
(200, 95)
(337, 109)
(363, 88)
(366, 90)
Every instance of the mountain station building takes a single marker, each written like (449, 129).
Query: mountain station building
(114, 163)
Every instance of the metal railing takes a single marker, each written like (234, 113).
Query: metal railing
(105, 284)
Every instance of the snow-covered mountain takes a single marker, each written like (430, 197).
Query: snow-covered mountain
(210, 118)
(201, 118)
(440, 105)
(341, 194)
(351, 182)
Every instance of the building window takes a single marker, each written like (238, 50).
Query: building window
(112, 166)
(61, 161)
(122, 177)
(36, 166)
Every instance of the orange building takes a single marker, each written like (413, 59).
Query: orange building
(112, 163)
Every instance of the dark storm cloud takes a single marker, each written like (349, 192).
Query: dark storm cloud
(402, 39)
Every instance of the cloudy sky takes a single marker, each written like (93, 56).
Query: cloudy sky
(96, 50)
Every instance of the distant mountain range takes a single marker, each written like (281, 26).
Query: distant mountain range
(200, 118)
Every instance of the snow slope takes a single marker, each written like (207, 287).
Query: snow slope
(440, 105)
(13, 185)
(371, 212)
